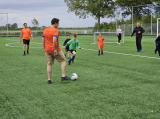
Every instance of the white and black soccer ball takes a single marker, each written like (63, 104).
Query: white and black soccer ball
(74, 76)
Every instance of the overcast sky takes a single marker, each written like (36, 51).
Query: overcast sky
(20, 11)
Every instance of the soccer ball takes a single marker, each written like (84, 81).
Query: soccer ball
(74, 76)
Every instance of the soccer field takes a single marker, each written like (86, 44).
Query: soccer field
(121, 84)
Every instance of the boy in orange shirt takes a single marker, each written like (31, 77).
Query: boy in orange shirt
(26, 32)
(100, 41)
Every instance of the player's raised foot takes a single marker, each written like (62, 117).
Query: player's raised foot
(137, 51)
(49, 82)
(69, 62)
(65, 78)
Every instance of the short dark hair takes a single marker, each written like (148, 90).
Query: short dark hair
(24, 24)
(54, 20)
(68, 35)
(75, 35)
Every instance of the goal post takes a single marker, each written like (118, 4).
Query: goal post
(110, 37)
(158, 26)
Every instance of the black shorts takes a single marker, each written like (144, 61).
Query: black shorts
(67, 49)
(72, 51)
(26, 41)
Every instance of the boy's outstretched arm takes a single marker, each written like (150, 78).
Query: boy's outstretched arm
(78, 45)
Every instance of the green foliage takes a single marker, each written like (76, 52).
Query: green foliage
(96, 8)
(35, 22)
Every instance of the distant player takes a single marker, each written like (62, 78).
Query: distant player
(100, 42)
(156, 47)
(158, 42)
(138, 30)
(26, 32)
(119, 34)
(52, 50)
(67, 48)
(72, 47)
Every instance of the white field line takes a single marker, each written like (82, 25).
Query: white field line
(94, 51)
(123, 54)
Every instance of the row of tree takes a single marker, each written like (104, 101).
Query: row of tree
(14, 26)
(108, 8)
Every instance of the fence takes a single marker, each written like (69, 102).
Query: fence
(127, 28)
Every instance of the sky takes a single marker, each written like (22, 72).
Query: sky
(23, 11)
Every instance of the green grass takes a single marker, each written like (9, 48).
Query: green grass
(112, 86)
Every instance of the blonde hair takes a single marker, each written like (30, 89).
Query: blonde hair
(100, 33)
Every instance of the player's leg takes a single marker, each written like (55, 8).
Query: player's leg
(24, 46)
(69, 62)
(99, 50)
(120, 38)
(50, 62)
(140, 45)
(73, 56)
(137, 44)
(159, 49)
(68, 54)
(156, 49)
(61, 58)
(27, 41)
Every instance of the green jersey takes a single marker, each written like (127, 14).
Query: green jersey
(73, 44)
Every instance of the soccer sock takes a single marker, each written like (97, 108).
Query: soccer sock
(73, 58)
(99, 51)
(70, 60)
(24, 52)
(102, 51)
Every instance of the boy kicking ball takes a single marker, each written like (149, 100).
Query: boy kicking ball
(67, 48)
(72, 47)
(100, 42)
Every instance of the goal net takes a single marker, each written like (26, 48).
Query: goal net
(158, 26)
(110, 37)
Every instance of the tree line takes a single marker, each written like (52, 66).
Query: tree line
(108, 8)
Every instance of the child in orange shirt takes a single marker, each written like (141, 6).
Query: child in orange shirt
(100, 42)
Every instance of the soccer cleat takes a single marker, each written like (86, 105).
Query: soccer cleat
(24, 54)
(65, 78)
(69, 62)
(140, 50)
(98, 54)
(49, 82)
(137, 51)
(27, 52)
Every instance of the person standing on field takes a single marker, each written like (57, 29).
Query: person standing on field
(52, 50)
(119, 34)
(138, 30)
(26, 33)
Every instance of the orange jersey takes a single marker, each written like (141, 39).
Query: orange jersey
(100, 39)
(48, 35)
(26, 33)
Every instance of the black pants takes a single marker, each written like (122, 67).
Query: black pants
(138, 43)
(159, 49)
(156, 49)
(119, 37)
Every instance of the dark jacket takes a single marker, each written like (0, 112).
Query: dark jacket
(65, 42)
(136, 30)
(158, 40)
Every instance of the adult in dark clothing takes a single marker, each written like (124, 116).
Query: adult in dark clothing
(158, 42)
(138, 30)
